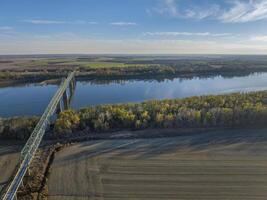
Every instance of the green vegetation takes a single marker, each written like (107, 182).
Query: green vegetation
(233, 110)
(7, 76)
(101, 65)
(67, 121)
(114, 67)
(96, 64)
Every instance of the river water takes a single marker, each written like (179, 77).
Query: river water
(32, 99)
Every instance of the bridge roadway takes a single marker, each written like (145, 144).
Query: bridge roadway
(35, 139)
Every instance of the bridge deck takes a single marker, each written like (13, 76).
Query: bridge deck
(34, 141)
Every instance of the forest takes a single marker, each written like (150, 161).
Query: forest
(116, 67)
(231, 110)
(18, 128)
(212, 111)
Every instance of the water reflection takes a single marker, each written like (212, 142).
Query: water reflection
(32, 99)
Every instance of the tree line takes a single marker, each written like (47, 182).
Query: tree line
(231, 110)
(17, 127)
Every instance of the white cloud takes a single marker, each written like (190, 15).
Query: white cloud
(186, 34)
(171, 8)
(123, 23)
(260, 38)
(129, 46)
(82, 22)
(165, 7)
(48, 22)
(246, 11)
(168, 6)
(202, 13)
(36, 21)
(58, 36)
(77, 22)
(239, 11)
(93, 23)
(7, 32)
(5, 28)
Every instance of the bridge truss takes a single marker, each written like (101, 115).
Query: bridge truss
(31, 146)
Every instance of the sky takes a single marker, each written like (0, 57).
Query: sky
(133, 26)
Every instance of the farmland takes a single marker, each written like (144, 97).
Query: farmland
(209, 155)
(45, 67)
(212, 165)
(9, 158)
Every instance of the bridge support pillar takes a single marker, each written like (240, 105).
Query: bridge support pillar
(72, 87)
(66, 100)
(60, 106)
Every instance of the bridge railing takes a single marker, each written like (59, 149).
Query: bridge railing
(34, 140)
(44, 120)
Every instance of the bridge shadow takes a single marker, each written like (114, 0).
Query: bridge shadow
(10, 147)
(239, 141)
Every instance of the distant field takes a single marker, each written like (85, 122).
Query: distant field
(104, 64)
(39, 63)
(46, 67)
(95, 64)
(203, 167)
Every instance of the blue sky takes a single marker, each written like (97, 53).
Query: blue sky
(133, 26)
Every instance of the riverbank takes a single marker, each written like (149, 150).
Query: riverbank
(41, 68)
(204, 112)
(230, 110)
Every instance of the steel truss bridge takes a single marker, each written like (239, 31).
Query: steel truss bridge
(60, 101)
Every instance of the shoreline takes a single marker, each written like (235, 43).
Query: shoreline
(81, 76)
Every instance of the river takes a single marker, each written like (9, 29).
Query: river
(32, 99)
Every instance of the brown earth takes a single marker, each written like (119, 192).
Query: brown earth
(230, 164)
(9, 158)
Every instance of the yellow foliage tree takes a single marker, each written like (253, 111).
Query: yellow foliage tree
(67, 121)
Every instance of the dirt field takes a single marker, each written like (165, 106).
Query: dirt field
(228, 165)
(9, 157)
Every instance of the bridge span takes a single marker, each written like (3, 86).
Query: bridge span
(60, 101)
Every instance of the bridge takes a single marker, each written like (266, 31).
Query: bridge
(60, 101)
